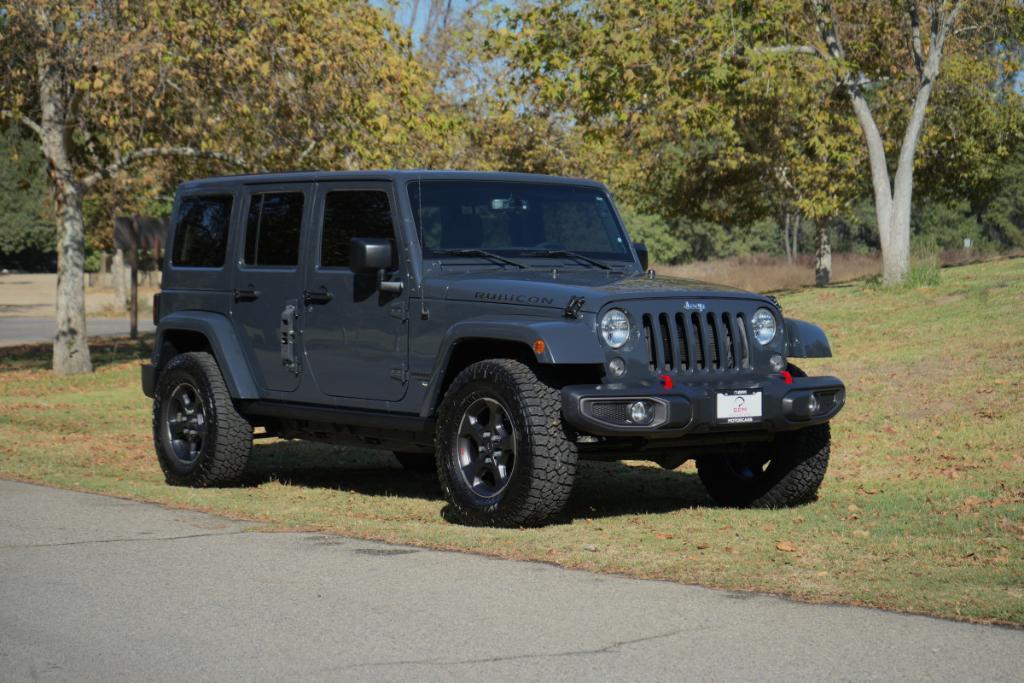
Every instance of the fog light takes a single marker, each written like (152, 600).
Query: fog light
(778, 363)
(812, 404)
(640, 412)
(617, 367)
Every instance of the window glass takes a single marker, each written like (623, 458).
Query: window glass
(273, 229)
(353, 213)
(516, 218)
(201, 235)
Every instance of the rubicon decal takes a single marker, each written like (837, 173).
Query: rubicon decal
(515, 298)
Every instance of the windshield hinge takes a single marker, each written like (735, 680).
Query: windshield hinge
(573, 308)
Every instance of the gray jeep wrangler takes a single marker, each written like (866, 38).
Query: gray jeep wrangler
(495, 326)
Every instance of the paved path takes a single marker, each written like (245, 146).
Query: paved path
(18, 330)
(98, 589)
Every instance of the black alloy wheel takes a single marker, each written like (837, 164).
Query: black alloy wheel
(184, 424)
(485, 449)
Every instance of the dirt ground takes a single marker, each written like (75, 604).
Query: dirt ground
(33, 295)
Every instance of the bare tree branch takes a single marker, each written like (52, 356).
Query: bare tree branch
(29, 123)
(827, 29)
(915, 36)
(154, 152)
(790, 49)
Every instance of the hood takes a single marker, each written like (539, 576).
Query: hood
(540, 287)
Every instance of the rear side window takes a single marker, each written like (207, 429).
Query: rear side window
(352, 213)
(273, 229)
(201, 235)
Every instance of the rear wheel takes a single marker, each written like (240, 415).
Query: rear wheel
(504, 455)
(786, 472)
(200, 438)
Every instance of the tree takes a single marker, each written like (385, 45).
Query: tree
(104, 86)
(862, 47)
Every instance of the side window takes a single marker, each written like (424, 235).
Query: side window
(273, 229)
(352, 213)
(201, 235)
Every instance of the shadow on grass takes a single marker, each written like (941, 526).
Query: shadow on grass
(103, 351)
(602, 489)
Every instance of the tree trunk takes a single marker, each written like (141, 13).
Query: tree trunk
(797, 222)
(70, 350)
(786, 220)
(823, 256)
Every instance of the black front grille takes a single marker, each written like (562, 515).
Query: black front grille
(690, 341)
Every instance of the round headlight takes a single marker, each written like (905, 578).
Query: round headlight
(763, 323)
(615, 328)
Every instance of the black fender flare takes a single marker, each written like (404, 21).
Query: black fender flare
(565, 342)
(221, 335)
(805, 340)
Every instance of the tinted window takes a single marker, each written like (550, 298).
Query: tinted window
(516, 218)
(201, 235)
(273, 229)
(353, 213)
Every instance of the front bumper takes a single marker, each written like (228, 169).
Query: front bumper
(692, 408)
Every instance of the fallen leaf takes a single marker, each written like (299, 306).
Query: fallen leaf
(664, 536)
(785, 546)
(703, 546)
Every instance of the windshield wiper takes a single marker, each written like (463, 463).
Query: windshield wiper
(477, 252)
(567, 254)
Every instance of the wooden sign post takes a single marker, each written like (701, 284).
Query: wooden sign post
(135, 278)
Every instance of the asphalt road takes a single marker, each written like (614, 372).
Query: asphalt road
(19, 330)
(95, 588)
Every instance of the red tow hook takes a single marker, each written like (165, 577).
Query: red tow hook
(787, 377)
(666, 381)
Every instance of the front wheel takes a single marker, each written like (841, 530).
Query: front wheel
(786, 472)
(504, 455)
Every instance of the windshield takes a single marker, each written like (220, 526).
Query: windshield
(516, 219)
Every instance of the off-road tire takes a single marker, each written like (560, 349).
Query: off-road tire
(541, 480)
(795, 469)
(227, 440)
(416, 462)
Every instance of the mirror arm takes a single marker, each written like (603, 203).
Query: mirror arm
(387, 285)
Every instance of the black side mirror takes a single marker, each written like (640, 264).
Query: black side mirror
(641, 252)
(368, 255)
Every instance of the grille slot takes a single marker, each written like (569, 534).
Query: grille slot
(691, 342)
(608, 411)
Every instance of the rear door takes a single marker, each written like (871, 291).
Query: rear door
(268, 282)
(355, 336)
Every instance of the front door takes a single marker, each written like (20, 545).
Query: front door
(268, 283)
(355, 336)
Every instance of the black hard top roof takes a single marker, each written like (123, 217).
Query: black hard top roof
(392, 176)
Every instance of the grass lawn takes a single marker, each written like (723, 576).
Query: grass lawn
(922, 509)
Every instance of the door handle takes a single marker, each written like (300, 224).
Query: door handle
(317, 298)
(247, 294)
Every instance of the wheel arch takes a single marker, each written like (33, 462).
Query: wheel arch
(185, 331)
(472, 341)
(806, 340)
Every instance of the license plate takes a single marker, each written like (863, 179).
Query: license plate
(736, 407)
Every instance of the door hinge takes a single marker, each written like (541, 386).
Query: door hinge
(287, 337)
(399, 311)
(401, 374)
